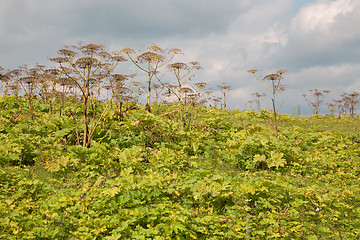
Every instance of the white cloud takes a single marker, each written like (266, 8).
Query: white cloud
(238, 97)
(322, 33)
(260, 15)
(327, 23)
(217, 67)
(321, 15)
(271, 36)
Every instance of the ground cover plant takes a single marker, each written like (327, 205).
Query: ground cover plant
(80, 158)
(147, 175)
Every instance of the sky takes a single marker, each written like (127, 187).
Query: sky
(316, 41)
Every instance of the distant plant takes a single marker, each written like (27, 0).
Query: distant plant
(158, 88)
(202, 95)
(351, 100)
(150, 62)
(216, 101)
(188, 95)
(28, 79)
(224, 91)
(315, 98)
(120, 92)
(5, 80)
(50, 85)
(183, 73)
(257, 99)
(339, 105)
(88, 67)
(297, 110)
(332, 107)
(276, 87)
(348, 103)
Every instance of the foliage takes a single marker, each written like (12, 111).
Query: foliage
(145, 176)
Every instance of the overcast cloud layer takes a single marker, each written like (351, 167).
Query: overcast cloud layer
(317, 41)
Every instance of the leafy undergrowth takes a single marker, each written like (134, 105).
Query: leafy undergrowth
(221, 176)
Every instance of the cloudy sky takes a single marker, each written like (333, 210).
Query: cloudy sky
(317, 41)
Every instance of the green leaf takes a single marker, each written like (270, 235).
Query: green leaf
(276, 160)
(259, 158)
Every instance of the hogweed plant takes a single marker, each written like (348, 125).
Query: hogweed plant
(5, 80)
(188, 95)
(89, 68)
(276, 87)
(120, 92)
(158, 88)
(151, 62)
(332, 107)
(28, 79)
(257, 100)
(339, 104)
(201, 95)
(183, 73)
(351, 100)
(224, 91)
(315, 98)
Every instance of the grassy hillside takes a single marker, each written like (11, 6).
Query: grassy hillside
(216, 174)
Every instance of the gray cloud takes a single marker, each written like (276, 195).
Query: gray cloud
(318, 43)
(50, 24)
(323, 34)
(114, 18)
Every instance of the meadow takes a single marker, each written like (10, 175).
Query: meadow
(208, 173)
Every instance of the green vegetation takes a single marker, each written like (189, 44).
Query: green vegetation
(209, 174)
(81, 159)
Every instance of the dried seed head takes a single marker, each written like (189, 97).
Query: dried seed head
(253, 71)
(196, 65)
(53, 71)
(67, 53)
(187, 90)
(65, 82)
(119, 77)
(27, 80)
(178, 66)
(155, 85)
(59, 60)
(200, 85)
(175, 51)
(105, 55)
(15, 72)
(4, 77)
(150, 57)
(272, 77)
(128, 51)
(118, 58)
(281, 88)
(86, 62)
(155, 48)
(280, 72)
(91, 48)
